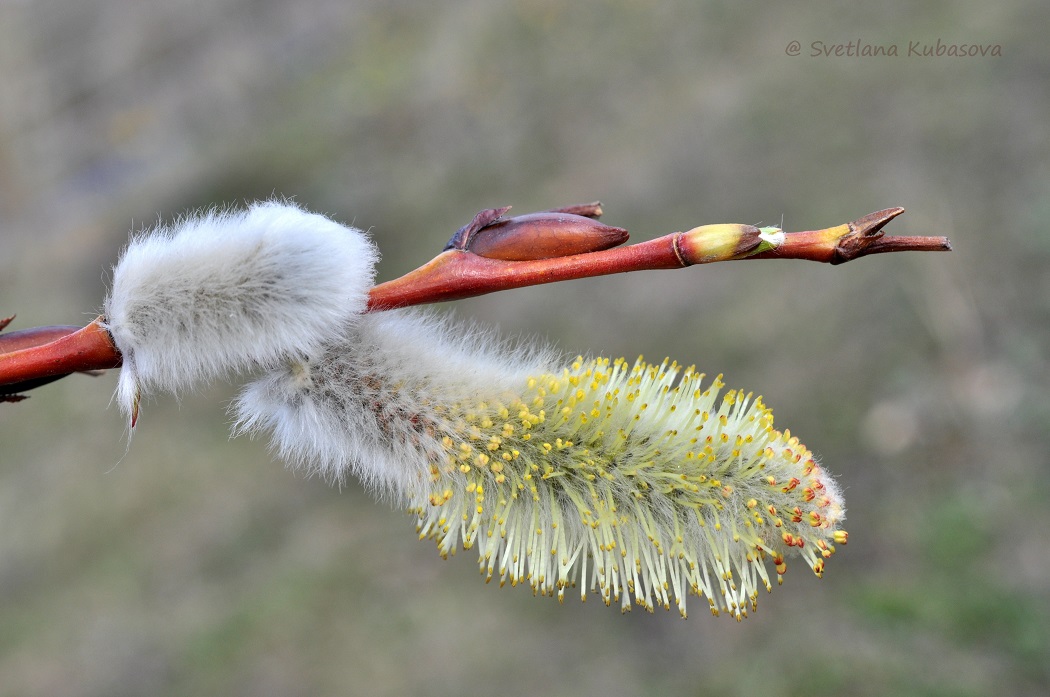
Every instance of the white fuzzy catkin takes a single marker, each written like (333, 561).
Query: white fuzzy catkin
(636, 481)
(231, 290)
(352, 409)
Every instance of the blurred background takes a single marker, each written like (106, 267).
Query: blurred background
(190, 564)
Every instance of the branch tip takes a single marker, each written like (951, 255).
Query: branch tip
(866, 237)
(871, 225)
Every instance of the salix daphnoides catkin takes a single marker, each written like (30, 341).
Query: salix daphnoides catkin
(230, 290)
(642, 482)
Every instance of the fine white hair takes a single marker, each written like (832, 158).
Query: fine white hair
(374, 403)
(230, 290)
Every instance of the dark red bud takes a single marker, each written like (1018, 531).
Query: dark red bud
(544, 236)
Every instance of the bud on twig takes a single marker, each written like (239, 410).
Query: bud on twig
(711, 243)
(543, 235)
(455, 274)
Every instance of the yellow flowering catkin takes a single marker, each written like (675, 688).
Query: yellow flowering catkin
(644, 483)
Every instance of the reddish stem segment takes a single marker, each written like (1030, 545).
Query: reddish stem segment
(457, 274)
(847, 242)
(43, 358)
(32, 357)
(454, 274)
(29, 338)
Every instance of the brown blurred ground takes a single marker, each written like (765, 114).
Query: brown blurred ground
(192, 565)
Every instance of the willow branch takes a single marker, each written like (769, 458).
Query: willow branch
(463, 273)
(493, 253)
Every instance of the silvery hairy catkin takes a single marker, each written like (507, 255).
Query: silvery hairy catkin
(228, 291)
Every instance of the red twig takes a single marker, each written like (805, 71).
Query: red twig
(494, 253)
(457, 274)
(35, 357)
